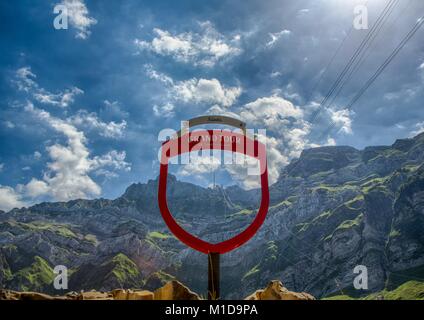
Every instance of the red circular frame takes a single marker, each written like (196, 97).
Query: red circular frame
(175, 147)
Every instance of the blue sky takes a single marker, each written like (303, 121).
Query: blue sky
(81, 108)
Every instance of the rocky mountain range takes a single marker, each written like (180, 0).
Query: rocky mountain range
(331, 210)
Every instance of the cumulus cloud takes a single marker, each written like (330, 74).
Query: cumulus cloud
(271, 112)
(195, 90)
(10, 199)
(68, 174)
(206, 91)
(166, 110)
(25, 80)
(92, 122)
(200, 164)
(242, 173)
(79, 17)
(205, 47)
(342, 120)
(286, 131)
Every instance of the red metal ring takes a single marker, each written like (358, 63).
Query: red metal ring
(176, 147)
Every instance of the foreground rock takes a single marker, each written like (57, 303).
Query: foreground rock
(276, 291)
(120, 294)
(173, 290)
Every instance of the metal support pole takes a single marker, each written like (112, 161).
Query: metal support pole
(213, 276)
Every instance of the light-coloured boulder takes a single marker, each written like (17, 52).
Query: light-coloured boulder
(9, 295)
(121, 294)
(95, 295)
(140, 295)
(276, 291)
(174, 290)
(255, 296)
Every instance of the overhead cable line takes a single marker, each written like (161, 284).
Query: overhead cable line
(382, 67)
(353, 59)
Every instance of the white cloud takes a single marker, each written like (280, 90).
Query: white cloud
(270, 112)
(61, 99)
(10, 199)
(199, 165)
(113, 159)
(155, 75)
(67, 176)
(206, 47)
(276, 161)
(195, 90)
(419, 128)
(218, 110)
(206, 91)
(421, 70)
(342, 120)
(79, 18)
(290, 93)
(92, 122)
(37, 155)
(276, 36)
(1, 167)
(36, 188)
(25, 81)
(166, 110)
